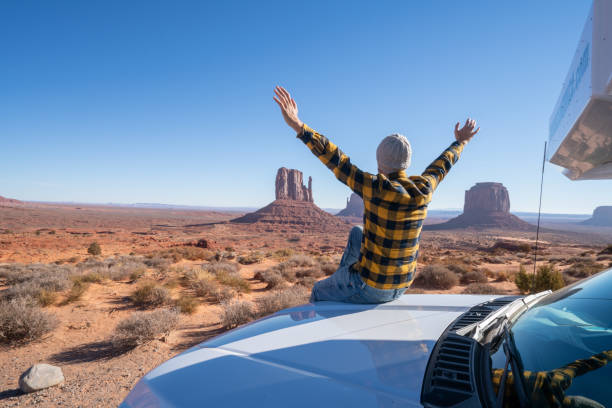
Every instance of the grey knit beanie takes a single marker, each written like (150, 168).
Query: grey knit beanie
(393, 153)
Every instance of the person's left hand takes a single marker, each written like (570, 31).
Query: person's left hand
(288, 108)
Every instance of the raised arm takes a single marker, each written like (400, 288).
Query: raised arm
(439, 168)
(329, 154)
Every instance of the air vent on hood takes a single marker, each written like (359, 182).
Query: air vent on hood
(479, 312)
(448, 380)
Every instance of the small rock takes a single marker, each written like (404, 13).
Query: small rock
(40, 376)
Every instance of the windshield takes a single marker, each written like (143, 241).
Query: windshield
(564, 344)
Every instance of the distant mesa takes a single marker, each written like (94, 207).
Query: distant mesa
(354, 207)
(487, 205)
(602, 217)
(8, 202)
(294, 205)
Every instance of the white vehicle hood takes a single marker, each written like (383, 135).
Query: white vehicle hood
(327, 354)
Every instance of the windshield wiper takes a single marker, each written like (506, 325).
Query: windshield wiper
(514, 360)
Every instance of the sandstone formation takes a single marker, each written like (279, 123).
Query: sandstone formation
(602, 217)
(289, 186)
(8, 202)
(354, 207)
(293, 206)
(487, 205)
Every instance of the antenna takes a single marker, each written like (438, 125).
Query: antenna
(535, 254)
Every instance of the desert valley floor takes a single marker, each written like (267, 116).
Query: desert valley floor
(201, 265)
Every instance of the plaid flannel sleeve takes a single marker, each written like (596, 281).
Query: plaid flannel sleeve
(439, 168)
(338, 162)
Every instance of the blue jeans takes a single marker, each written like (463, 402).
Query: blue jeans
(346, 285)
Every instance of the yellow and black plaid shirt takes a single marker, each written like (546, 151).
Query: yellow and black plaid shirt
(395, 207)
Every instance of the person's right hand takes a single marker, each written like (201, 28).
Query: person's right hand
(467, 132)
(288, 108)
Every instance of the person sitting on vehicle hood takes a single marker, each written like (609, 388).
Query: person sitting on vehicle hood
(379, 261)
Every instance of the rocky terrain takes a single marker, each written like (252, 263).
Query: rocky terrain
(487, 205)
(602, 217)
(9, 202)
(354, 207)
(294, 206)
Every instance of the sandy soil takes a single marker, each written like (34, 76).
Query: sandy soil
(99, 376)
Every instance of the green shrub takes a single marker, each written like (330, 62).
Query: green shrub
(546, 277)
(94, 249)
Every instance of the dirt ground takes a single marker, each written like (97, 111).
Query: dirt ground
(97, 375)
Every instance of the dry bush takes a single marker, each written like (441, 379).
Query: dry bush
(283, 253)
(131, 270)
(301, 260)
(281, 299)
(76, 292)
(510, 246)
(479, 289)
(306, 281)
(503, 276)
(271, 277)
(175, 254)
(234, 281)
(142, 327)
(236, 312)
(584, 269)
(150, 294)
(205, 286)
(46, 297)
(475, 276)
(435, 277)
(253, 257)
(607, 250)
(328, 268)
(222, 294)
(91, 277)
(459, 269)
(221, 267)
(157, 262)
(94, 249)
(187, 304)
(22, 321)
(35, 281)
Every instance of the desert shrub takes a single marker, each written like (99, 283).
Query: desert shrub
(150, 294)
(435, 277)
(91, 277)
(511, 246)
(607, 250)
(35, 282)
(584, 269)
(128, 269)
(294, 239)
(22, 321)
(142, 327)
(76, 292)
(300, 260)
(253, 257)
(271, 277)
(235, 281)
(236, 312)
(157, 262)
(283, 253)
(187, 304)
(480, 289)
(281, 299)
(221, 267)
(460, 269)
(46, 297)
(546, 277)
(307, 281)
(175, 254)
(223, 294)
(94, 249)
(328, 268)
(502, 276)
(474, 276)
(205, 286)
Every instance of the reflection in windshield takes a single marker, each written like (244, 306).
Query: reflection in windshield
(547, 388)
(559, 330)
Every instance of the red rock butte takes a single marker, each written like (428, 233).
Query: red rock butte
(354, 207)
(487, 205)
(9, 202)
(294, 205)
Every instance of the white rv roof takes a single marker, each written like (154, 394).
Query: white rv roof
(580, 129)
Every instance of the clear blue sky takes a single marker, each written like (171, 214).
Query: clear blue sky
(171, 102)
